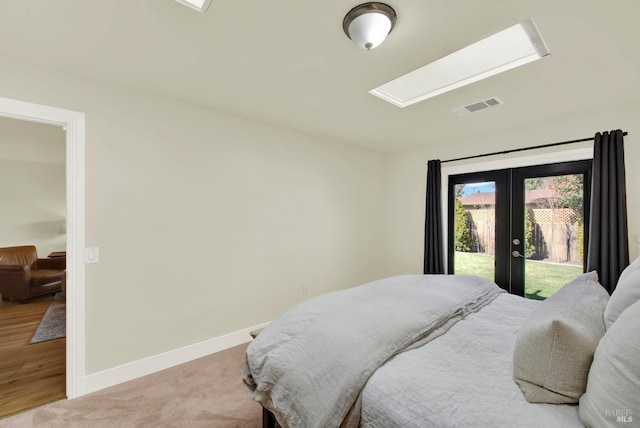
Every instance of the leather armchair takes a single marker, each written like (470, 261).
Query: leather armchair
(23, 275)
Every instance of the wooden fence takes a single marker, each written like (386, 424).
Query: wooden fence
(556, 234)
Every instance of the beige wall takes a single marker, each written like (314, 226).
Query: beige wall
(406, 174)
(32, 185)
(206, 223)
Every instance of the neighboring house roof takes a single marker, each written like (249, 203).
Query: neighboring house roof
(485, 198)
(489, 198)
(539, 195)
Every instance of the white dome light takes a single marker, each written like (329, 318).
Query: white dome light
(369, 24)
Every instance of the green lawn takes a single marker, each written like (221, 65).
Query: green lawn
(542, 279)
(475, 264)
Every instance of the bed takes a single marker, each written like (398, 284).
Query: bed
(452, 351)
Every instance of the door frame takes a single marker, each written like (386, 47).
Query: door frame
(74, 123)
(502, 215)
(518, 209)
(585, 153)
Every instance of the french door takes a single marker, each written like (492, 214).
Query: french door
(524, 228)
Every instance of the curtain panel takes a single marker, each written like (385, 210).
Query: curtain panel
(433, 233)
(608, 248)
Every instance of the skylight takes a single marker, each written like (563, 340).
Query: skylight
(199, 5)
(510, 48)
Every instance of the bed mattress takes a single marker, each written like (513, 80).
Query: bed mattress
(461, 379)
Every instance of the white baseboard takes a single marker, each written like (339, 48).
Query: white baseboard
(110, 377)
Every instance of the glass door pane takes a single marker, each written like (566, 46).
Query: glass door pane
(475, 229)
(554, 233)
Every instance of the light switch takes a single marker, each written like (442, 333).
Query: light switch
(91, 255)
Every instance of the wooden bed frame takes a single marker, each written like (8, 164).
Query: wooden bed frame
(268, 420)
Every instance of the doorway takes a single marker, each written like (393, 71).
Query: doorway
(32, 186)
(523, 228)
(74, 123)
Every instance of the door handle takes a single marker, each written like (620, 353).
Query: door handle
(516, 253)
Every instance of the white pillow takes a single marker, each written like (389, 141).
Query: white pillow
(613, 389)
(555, 346)
(626, 293)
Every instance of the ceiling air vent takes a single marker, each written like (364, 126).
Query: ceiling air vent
(477, 106)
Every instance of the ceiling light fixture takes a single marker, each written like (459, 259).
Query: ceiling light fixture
(510, 48)
(199, 5)
(369, 24)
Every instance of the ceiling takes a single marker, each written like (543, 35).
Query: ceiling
(289, 63)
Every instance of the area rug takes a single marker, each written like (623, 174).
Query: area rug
(53, 324)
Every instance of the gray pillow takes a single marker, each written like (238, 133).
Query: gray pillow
(555, 346)
(626, 293)
(613, 389)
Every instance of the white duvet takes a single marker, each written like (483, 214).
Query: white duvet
(461, 379)
(309, 365)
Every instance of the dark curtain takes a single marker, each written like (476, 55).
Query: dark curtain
(608, 250)
(433, 242)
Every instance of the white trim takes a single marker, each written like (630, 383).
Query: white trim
(510, 48)
(490, 165)
(200, 6)
(75, 167)
(146, 366)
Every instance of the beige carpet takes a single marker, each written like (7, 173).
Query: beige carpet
(207, 392)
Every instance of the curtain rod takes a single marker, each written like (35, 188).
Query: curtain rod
(561, 143)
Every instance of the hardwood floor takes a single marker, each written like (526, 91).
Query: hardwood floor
(30, 375)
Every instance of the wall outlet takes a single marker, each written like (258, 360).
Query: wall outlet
(305, 291)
